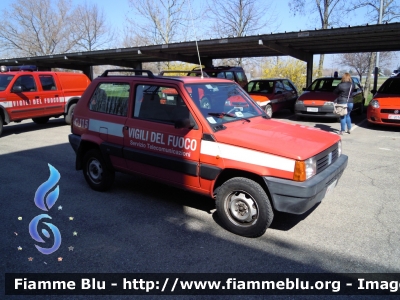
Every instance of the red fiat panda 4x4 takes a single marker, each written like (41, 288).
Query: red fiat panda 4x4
(251, 164)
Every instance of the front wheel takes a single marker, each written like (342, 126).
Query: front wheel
(96, 172)
(41, 120)
(68, 116)
(268, 110)
(244, 207)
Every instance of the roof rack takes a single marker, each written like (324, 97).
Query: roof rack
(18, 68)
(187, 73)
(149, 73)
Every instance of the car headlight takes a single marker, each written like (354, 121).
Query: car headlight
(305, 169)
(329, 103)
(299, 102)
(339, 149)
(374, 103)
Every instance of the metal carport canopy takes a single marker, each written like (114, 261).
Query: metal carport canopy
(301, 45)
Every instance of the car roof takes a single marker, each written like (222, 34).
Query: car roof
(268, 79)
(184, 79)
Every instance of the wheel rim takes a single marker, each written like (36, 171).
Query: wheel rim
(268, 110)
(95, 171)
(241, 208)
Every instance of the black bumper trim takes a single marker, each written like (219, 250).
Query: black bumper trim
(298, 197)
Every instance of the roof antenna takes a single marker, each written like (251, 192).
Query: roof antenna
(195, 38)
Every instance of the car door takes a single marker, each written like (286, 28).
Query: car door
(278, 101)
(358, 95)
(25, 98)
(157, 142)
(108, 108)
(51, 95)
(290, 94)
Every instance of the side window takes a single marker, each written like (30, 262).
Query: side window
(47, 82)
(110, 98)
(279, 87)
(230, 76)
(250, 86)
(288, 86)
(27, 83)
(240, 76)
(159, 103)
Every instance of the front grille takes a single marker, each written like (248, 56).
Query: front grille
(326, 158)
(391, 121)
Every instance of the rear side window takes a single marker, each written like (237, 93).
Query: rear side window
(159, 103)
(47, 82)
(111, 98)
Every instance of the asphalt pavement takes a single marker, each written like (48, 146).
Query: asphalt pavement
(141, 226)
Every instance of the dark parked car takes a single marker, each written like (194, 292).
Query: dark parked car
(273, 94)
(318, 98)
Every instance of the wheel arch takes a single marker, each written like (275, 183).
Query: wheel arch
(5, 115)
(227, 174)
(84, 146)
(71, 101)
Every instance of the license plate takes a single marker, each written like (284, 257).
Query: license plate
(312, 109)
(394, 117)
(331, 187)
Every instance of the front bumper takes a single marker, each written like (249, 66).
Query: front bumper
(322, 111)
(298, 197)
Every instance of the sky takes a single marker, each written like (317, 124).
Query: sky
(115, 12)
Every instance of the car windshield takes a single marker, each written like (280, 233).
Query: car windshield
(324, 84)
(390, 86)
(5, 81)
(220, 103)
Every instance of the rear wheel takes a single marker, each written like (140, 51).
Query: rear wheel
(41, 120)
(244, 207)
(68, 116)
(96, 172)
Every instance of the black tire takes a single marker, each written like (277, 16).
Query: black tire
(68, 116)
(242, 194)
(97, 174)
(41, 120)
(268, 110)
(1, 124)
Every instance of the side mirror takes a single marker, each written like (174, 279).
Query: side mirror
(373, 91)
(184, 123)
(16, 89)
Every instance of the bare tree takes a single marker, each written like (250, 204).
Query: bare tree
(91, 29)
(361, 61)
(37, 27)
(390, 12)
(238, 18)
(328, 14)
(159, 21)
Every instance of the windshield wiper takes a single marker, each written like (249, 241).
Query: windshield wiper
(223, 114)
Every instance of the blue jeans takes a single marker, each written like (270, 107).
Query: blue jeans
(346, 120)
